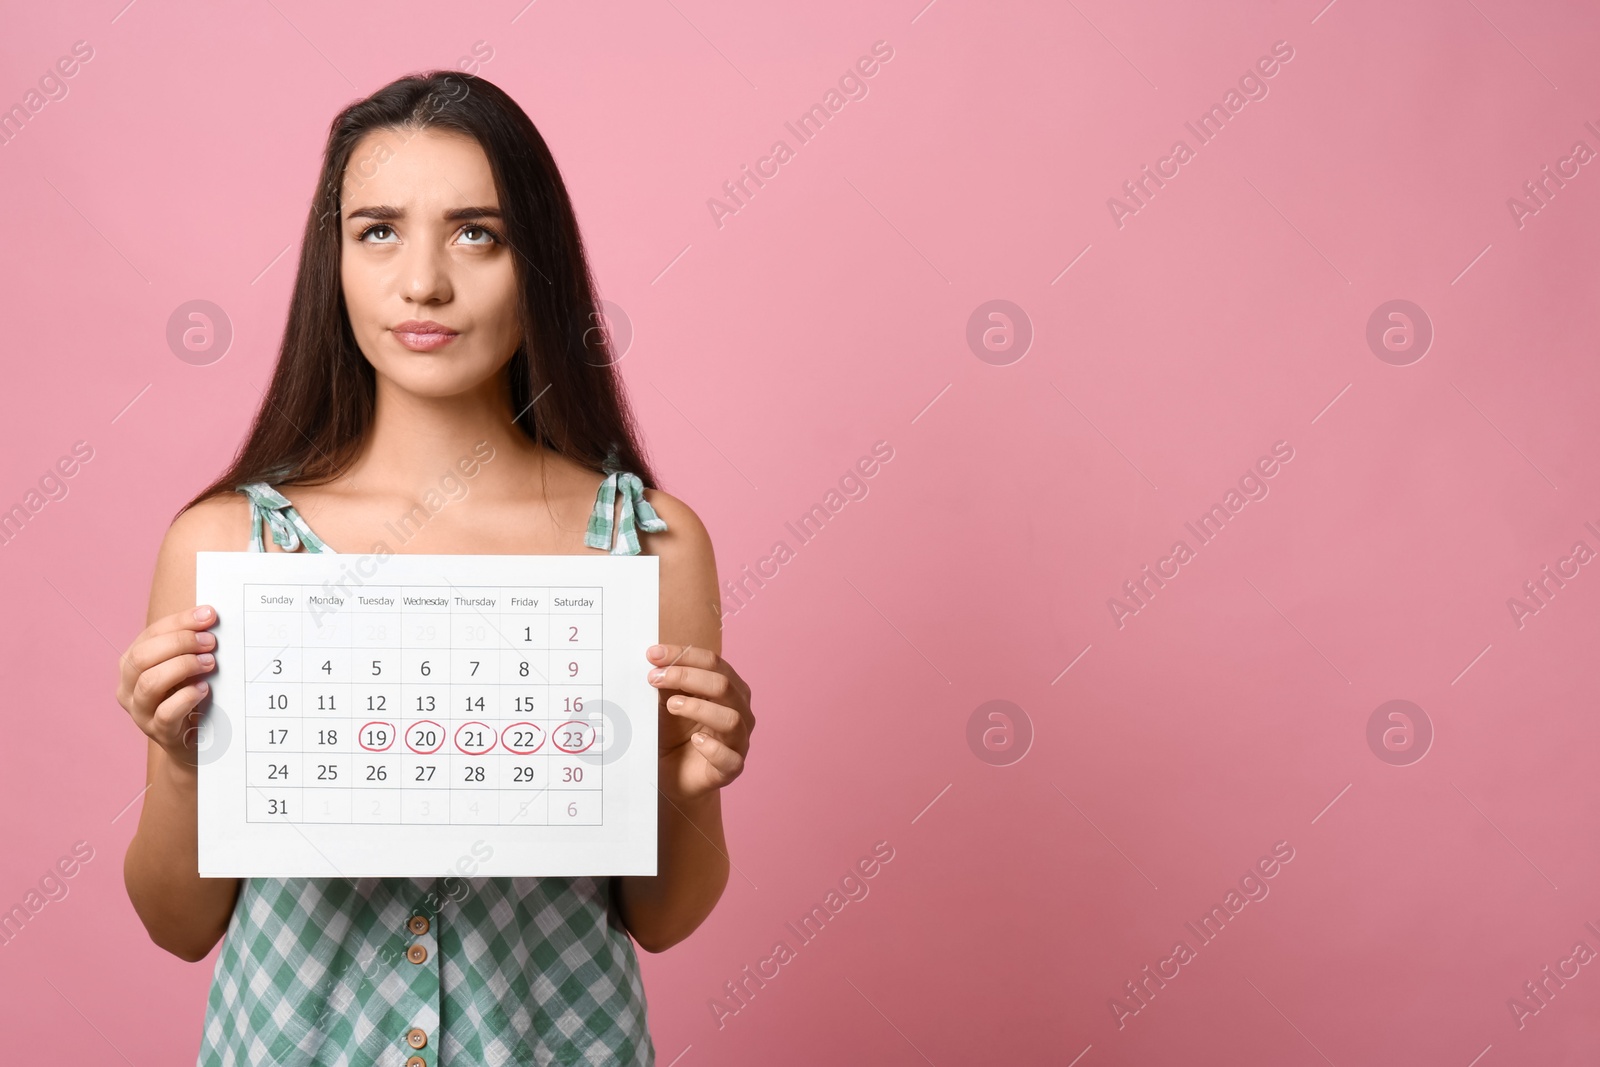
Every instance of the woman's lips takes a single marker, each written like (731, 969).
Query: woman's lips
(428, 341)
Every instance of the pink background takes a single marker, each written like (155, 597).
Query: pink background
(831, 312)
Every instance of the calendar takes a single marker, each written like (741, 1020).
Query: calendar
(389, 716)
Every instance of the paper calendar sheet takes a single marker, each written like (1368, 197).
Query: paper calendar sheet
(390, 717)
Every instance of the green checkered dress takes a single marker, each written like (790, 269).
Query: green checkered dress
(315, 971)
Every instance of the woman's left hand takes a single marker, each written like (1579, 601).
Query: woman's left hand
(705, 720)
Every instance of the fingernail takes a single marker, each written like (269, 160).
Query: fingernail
(207, 660)
(675, 702)
(698, 739)
(202, 613)
(657, 674)
(206, 639)
(203, 688)
(656, 650)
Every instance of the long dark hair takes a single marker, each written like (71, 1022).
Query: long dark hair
(319, 404)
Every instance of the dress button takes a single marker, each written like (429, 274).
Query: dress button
(416, 1038)
(416, 1061)
(418, 924)
(417, 953)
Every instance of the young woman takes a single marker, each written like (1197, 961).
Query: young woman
(442, 312)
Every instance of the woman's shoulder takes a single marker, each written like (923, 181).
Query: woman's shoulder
(679, 517)
(691, 612)
(685, 532)
(217, 523)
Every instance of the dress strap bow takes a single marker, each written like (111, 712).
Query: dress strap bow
(637, 514)
(270, 508)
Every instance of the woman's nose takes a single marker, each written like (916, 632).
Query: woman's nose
(425, 273)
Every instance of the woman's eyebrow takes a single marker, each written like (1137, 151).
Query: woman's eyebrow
(386, 213)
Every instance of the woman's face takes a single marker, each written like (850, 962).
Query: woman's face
(422, 249)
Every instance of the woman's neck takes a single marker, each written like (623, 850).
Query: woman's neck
(413, 440)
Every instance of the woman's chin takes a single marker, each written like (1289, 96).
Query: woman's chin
(435, 378)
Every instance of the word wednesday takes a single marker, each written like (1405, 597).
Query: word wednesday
(1254, 887)
(1212, 122)
(1205, 529)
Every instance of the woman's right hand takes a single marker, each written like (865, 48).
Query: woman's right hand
(158, 688)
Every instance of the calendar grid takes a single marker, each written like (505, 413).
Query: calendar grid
(420, 704)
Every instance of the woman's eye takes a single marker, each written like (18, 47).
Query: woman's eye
(484, 238)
